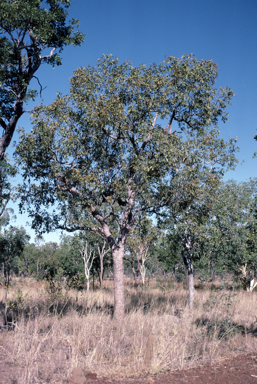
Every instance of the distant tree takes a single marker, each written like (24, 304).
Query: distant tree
(138, 243)
(49, 263)
(103, 249)
(227, 245)
(100, 155)
(32, 33)
(88, 255)
(69, 259)
(12, 243)
(28, 260)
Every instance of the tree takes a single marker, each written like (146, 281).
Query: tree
(32, 32)
(102, 251)
(228, 231)
(100, 155)
(12, 243)
(187, 224)
(138, 243)
(88, 256)
(167, 249)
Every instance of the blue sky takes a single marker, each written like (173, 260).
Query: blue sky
(146, 31)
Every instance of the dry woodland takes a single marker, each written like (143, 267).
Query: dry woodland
(54, 330)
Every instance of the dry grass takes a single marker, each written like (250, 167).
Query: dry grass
(57, 331)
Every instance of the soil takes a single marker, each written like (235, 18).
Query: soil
(241, 369)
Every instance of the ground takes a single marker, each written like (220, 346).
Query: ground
(241, 369)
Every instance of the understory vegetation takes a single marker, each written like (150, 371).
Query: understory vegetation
(54, 329)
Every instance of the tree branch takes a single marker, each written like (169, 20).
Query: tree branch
(47, 56)
(41, 88)
(3, 124)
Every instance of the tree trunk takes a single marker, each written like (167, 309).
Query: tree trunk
(191, 289)
(118, 254)
(137, 276)
(138, 284)
(174, 273)
(87, 285)
(101, 271)
(2, 270)
(212, 270)
(186, 272)
(188, 266)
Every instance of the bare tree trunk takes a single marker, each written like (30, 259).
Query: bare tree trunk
(101, 271)
(185, 272)
(190, 274)
(118, 254)
(191, 289)
(102, 252)
(88, 257)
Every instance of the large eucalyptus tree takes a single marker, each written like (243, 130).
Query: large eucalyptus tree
(101, 155)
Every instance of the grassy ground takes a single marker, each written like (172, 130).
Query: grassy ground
(57, 330)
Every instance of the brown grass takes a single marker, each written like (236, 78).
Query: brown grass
(58, 330)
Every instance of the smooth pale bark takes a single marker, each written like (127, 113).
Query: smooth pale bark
(88, 257)
(118, 263)
(101, 275)
(102, 252)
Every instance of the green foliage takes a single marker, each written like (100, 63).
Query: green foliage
(101, 151)
(12, 243)
(54, 291)
(168, 251)
(100, 155)
(29, 31)
(227, 231)
(29, 260)
(32, 33)
(251, 241)
(18, 303)
(77, 281)
(7, 171)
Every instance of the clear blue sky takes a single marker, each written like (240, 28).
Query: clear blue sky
(146, 31)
